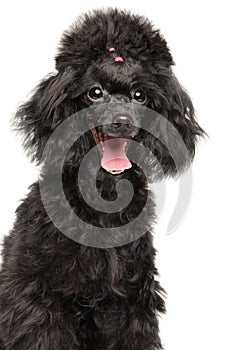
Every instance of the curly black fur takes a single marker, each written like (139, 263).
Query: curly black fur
(59, 294)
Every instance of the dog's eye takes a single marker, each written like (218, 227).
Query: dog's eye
(95, 93)
(139, 96)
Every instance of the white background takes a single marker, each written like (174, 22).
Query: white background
(195, 262)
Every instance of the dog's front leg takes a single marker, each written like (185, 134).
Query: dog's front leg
(33, 320)
(142, 332)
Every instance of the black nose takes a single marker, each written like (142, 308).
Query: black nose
(122, 123)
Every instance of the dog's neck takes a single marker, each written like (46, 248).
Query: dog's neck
(101, 209)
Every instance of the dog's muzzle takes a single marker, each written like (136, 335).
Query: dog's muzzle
(113, 141)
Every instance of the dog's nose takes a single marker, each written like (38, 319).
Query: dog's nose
(122, 123)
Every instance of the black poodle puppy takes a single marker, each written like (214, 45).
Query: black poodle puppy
(60, 288)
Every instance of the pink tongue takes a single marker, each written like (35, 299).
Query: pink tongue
(114, 158)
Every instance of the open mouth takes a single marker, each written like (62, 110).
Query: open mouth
(113, 151)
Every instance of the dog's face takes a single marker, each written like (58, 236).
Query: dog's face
(117, 60)
(114, 93)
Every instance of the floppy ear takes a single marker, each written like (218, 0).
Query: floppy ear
(38, 117)
(181, 114)
(180, 130)
(174, 131)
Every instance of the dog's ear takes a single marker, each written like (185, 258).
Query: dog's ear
(174, 129)
(180, 129)
(181, 114)
(38, 117)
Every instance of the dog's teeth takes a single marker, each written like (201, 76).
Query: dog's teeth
(124, 145)
(115, 171)
(102, 145)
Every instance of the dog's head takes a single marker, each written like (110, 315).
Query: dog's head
(118, 62)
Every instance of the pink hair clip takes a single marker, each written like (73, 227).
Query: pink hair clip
(119, 59)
